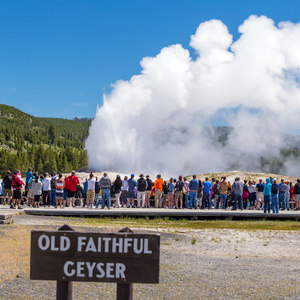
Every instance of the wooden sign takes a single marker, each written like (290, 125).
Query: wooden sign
(99, 257)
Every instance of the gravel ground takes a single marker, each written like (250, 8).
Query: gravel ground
(195, 264)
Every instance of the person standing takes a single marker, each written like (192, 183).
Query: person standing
(222, 192)
(131, 191)
(7, 180)
(124, 191)
(30, 190)
(59, 185)
(215, 192)
(267, 196)
(78, 195)
(252, 194)
(274, 196)
(118, 186)
(179, 187)
(90, 194)
(185, 200)
(165, 195)
(238, 191)
(17, 184)
(193, 186)
(199, 194)
(296, 193)
(97, 191)
(85, 186)
(158, 185)
(71, 184)
(260, 193)
(53, 190)
(141, 189)
(170, 197)
(148, 191)
(105, 185)
(46, 181)
(245, 195)
(28, 175)
(37, 187)
(291, 192)
(287, 195)
(282, 194)
(207, 185)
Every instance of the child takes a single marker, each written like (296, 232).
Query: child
(59, 186)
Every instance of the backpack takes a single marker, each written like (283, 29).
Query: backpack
(52, 182)
(297, 188)
(7, 180)
(245, 188)
(274, 188)
(179, 185)
(215, 189)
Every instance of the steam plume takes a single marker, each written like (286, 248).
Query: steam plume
(160, 120)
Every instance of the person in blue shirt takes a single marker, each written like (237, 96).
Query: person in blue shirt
(170, 197)
(193, 187)
(28, 175)
(267, 196)
(206, 193)
(131, 191)
(282, 194)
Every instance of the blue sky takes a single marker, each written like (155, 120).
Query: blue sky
(58, 57)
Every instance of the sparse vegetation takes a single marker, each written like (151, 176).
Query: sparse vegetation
(172, 225)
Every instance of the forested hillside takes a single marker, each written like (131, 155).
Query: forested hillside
(45, 144)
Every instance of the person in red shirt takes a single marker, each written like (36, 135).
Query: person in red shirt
(71, 184)
(17, 184)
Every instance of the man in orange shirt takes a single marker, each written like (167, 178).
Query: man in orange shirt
(158, 185)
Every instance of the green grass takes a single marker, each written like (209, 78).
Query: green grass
(161, 223)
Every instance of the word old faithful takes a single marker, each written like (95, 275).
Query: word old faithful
(96, 244)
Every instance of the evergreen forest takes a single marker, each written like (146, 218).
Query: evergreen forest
(45, 144)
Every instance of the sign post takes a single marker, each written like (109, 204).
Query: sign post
(125, 290)
(67, 255)
(64, 289)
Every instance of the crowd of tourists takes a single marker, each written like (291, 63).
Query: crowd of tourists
(66, 191)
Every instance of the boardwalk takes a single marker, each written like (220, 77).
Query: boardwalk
(161, 212)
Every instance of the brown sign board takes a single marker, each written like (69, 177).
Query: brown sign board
(99, 257)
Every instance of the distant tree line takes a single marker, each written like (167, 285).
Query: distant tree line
(45, 144)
